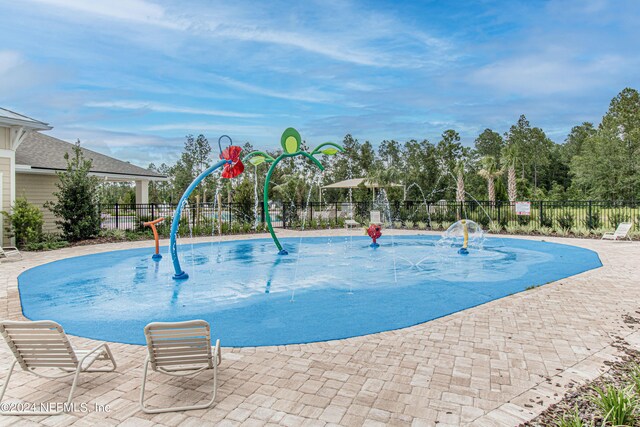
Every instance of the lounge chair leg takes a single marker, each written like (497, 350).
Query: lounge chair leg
(65, 407)
(177, 408)
(6, 382)
(144, 383)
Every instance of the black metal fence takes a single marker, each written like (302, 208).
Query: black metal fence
(430, 214)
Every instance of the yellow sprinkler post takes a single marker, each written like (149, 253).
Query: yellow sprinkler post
(465, 234)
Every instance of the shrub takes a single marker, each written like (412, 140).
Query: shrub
(495, 228)
(592, 221)
(566, 221)
(484, 221)
(77, 205)
(571, 419)
(616, 218)
(506, 219)
(617, 406)
(24, 223)
(421, 225)
(113, 234)
(545, 220)
(635, 377)
(581, 231)
(512, 229)
(545, 231)
(48, 242)
(524, 219)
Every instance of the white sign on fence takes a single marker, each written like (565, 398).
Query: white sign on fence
(523, 208)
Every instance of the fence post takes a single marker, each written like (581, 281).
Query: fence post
(499, 208)
(117, 215)
(311, 212)
(589, 217)
(541, 213)
(284, 215)
(262, 213)
(336, 209)
(153, 212)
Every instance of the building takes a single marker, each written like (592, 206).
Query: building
(30, 159)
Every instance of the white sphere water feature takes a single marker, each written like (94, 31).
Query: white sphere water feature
(464, 234)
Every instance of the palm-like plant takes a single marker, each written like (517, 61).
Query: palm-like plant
(490, 172)
(509, 160)
(459, 172)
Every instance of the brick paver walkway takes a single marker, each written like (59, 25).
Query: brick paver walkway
(496, 364)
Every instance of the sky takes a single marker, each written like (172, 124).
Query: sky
(131, 78)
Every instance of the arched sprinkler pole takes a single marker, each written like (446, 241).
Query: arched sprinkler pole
(232, 168)
(290, 142)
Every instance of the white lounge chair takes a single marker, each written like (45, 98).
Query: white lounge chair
(180, 349)
(621, 233)
(375, 218)
(351, 223)
(9, 251)
(44, 345)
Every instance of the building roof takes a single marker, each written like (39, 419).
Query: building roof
(39, 153)
(356, 182)
(11, 118)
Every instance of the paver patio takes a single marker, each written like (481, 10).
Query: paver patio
(497, 364)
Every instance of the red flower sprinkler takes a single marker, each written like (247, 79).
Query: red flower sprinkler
(234, 166)
(375, 232)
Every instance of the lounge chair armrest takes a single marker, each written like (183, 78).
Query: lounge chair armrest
(102, 346)
(218, 353)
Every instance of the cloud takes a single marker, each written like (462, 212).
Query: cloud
(307, 94)
(9, 60)
(162, 108)
(135, 148)
(242, 131)
(548, 74)
(138, 11)
(19, 76)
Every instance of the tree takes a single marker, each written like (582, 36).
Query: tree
(531, 148)
(193, 161)
(490, 172)
(575, 140)
(460, 194)
(422, 169)
(509, 160)
(77, 204)
(608, 166)
(160, 191)
(489, 143)
(449, 152)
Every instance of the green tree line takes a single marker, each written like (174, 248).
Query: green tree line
(595, 162)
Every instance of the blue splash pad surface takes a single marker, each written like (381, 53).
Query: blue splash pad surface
(326, 288)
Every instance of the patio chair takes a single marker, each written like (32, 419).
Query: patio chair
(351, 223)
(375, 218)
(621, 233)
(9, 251)
(44, 345)
(346, 211)
(180, 349)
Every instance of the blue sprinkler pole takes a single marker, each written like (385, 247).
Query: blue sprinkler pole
(175, 223)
